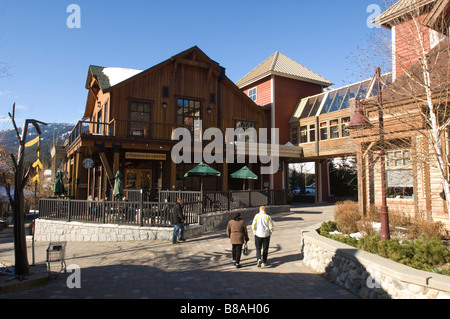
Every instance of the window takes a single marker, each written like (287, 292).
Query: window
(304, 134)
(294, 135)
(252, 94)
(99, 120)
(344, 123)
(105, 119)
(139, 118)
(312, 133)
(247, 135)
(334, 129)
(399, 175)
(323, 131)
(188, 112)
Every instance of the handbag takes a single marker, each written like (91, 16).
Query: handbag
(246, 249)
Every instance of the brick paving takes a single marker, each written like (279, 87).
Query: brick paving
(200, 268)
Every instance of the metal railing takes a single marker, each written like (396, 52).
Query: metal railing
(143, 213)
(115, 212)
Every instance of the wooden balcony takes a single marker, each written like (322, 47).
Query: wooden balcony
(123, 129)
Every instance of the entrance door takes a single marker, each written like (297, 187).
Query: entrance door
(138, 179)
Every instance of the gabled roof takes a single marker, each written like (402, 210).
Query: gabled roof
(391, 16)
(108, 77)
(279, 64)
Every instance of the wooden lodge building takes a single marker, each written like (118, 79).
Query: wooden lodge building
(130, 116)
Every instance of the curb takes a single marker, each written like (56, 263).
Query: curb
(38, 277)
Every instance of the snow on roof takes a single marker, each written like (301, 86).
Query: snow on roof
(117, 75)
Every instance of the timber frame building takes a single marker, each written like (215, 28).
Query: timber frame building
(130, 116)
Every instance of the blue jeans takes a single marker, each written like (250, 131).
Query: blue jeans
(178, 228)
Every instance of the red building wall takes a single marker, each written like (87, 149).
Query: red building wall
(406, 44)
(288, 92)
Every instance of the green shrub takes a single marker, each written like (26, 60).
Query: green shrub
(429, 252)
(327, 227)
(369, 243)
(345, 239)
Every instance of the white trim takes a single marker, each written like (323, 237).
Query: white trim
(394, 55)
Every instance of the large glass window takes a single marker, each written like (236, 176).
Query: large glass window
(340, 97)
(188, 112)
(139, 118)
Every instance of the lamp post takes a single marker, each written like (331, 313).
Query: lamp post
(359, 121)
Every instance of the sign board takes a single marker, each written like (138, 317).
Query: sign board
(145, 156)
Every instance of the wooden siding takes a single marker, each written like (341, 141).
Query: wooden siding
(263, 91)
(288, 92)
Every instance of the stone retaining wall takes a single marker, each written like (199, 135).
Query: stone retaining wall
(52, 230)
(367, 275)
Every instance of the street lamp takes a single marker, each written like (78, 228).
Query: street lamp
(360, 121)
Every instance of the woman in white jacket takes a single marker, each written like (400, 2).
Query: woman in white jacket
(262, 229)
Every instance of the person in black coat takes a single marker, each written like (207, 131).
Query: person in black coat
(178, 221)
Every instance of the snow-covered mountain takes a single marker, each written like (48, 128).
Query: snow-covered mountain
(53, 133)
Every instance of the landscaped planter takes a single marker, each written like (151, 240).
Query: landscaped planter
(367, 275)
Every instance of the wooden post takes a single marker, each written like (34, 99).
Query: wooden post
(361, 180)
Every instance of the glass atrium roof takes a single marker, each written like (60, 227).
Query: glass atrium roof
(338, 99)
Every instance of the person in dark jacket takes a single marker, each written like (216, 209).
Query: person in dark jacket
(237, 232)
(178, 221)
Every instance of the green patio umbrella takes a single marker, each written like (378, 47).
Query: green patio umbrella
(58, 188)
(202, 170)
(118, 186)
(244, 173)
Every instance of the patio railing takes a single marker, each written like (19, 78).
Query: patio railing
(114, 212)
(141, 213)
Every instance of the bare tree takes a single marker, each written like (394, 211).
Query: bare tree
(17, 202)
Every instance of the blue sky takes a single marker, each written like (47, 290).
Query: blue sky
(48, 62)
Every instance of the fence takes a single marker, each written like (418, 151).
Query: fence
(115, 212)
(139, 212)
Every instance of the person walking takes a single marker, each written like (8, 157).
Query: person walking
(262, 227)
(178, 221)
(237, 232)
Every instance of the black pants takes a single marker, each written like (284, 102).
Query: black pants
(264, 244)
(236, 252)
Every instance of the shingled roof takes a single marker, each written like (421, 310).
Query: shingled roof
(108, 77)
(279, 64)
(400, 9)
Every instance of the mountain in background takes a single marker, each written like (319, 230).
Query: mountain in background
(52, 134)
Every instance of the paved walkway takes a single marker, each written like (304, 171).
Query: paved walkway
(200, 268)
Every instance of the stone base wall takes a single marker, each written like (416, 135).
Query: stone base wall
(52, 230)
(369, 276)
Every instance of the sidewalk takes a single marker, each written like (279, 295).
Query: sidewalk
(200, 268)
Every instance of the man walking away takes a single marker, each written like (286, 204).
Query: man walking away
(178, 221)
(262, 228)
